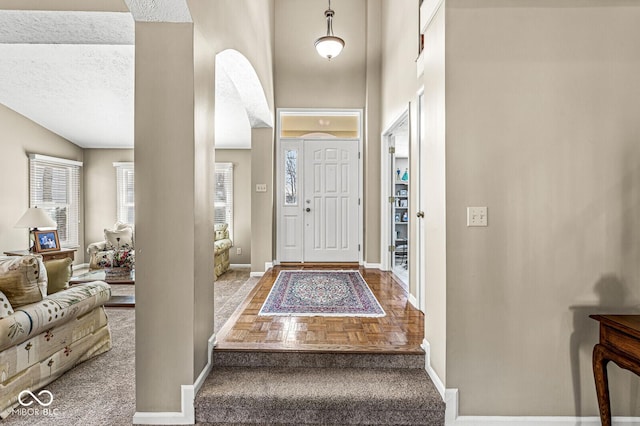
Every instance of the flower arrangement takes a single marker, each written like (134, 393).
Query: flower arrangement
(121, 257)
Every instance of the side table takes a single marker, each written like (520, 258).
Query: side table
(620, 344)
(47, 255)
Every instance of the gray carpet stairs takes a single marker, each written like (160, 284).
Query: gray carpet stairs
(318, 388)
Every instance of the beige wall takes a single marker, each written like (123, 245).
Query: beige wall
(21, 136)
(248, 27)
(241, 159)
(166, 171)
(372, 131)
(262, 218)
(400, 83)
(542, 127)
(302, 78)
(100, 193)
(203, 174)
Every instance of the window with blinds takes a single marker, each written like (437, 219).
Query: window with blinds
(125, 185)
(54, 186)
(223, 197)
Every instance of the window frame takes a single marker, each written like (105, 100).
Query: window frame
(71, 237)
(227, 168)
(122, 205)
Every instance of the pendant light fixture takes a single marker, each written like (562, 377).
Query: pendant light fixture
(329, 46)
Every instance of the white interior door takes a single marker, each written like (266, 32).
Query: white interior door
(330, 206)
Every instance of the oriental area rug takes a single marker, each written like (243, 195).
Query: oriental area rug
(321, 293)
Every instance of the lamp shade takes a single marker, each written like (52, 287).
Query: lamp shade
(329, 46)
(35, 218)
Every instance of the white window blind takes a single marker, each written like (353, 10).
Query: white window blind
(223, 197)
(125, 192)
(54, 186)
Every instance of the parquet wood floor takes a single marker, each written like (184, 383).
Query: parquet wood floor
(400, 331)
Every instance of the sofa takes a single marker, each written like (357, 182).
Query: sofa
(221, 246)
(119, 236)
(46, 328)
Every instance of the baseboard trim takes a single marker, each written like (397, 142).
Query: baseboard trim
(256, 274)
(452, 417)
(240, 265)
(267, 266)
(188, 394)
(372, 265)
(412, 299)
(430, 371)
(80, 266)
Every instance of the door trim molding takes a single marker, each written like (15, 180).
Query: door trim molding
(385, 193)
(278, 192)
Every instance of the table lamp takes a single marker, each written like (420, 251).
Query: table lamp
(33, 219)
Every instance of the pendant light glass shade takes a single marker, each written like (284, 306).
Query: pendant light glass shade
(329, 46)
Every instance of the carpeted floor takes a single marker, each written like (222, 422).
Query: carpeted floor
(101, 391)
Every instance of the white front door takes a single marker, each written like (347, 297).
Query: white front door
(318, 202)
(331, 201)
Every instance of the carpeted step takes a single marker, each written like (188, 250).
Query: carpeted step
(339, 396)
(234, 358)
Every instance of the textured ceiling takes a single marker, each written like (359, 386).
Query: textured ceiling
(73, 73)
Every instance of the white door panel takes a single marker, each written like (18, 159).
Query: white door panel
(290, 218)
(331, 195)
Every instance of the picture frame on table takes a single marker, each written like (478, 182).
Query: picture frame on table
(47, 241)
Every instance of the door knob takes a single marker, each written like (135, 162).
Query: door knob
(308, 209)
(420, 214)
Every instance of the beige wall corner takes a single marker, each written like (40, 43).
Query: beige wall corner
(21, 136)
(100, 192)
(203, 180)
(372, 133)
(165, 215)
(262, 219)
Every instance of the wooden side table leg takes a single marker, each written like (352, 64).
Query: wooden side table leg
(600, 361)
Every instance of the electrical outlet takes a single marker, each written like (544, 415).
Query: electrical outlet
(238, 250)
(477, 216)
(261, 187)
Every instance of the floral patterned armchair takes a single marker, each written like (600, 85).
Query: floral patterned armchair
(120, 237)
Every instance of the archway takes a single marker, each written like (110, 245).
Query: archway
(240, 107)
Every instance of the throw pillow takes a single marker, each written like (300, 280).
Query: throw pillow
(19, 290)
(59, 273)
(42, 278)
(5, 307)
(30, 265)
(118, 238)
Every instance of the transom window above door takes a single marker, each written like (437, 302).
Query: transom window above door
(323, 124)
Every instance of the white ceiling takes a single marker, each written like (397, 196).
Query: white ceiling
(73, 73)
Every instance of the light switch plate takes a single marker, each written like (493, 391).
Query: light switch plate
(261, 187)
(477, 216)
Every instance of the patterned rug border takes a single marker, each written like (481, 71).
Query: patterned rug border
(323, 314)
